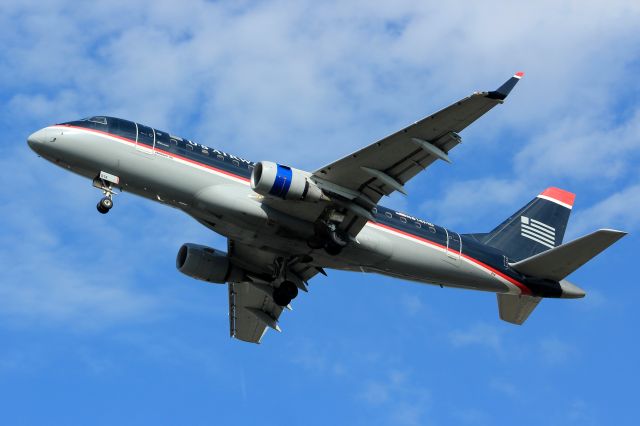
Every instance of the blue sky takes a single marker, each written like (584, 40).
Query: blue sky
(97, 326)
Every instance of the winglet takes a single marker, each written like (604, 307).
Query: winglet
(503, 91)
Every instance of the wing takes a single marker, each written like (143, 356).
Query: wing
(251, 311)
(385, 166)
(251, 306)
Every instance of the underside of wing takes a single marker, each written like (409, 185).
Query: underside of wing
(252, 309)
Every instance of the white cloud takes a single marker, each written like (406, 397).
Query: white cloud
(472, 416)
(556, 351)
(583, 148)
(278, 75)
(405, 402)
(478, 334)
(470, 201)
(65, 265)
(504, 387)
(412, 304)
(375, 393)
(618, 211)
(581, 413)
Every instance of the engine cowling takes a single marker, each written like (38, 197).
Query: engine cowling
(205, 264)
(275, 180)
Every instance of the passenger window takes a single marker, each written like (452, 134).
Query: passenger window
(205, 151)
(236, 163)
(418, 225)
(432, 229)
(403, 220)
(190, 147)
(389, 215)
(220, 157)
(162, 138)
(374, 210)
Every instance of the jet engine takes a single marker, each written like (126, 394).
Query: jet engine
(275, 180)
(206, 264)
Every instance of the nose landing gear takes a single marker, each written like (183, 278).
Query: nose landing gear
(106, 203)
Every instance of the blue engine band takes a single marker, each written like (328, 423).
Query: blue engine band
(282, 183)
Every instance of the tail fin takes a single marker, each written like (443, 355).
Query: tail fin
(537, 227)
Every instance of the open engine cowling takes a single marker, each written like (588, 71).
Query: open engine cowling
(204, 263)
(275, 180)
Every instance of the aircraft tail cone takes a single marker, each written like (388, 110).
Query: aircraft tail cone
(571, 291)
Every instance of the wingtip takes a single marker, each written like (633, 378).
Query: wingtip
(503, 91)
(617, 232)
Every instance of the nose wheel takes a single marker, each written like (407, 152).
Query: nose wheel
(104, 205)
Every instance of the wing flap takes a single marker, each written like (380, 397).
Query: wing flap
(251, 311)
(251, 307)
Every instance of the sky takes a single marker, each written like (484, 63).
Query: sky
(98, 327)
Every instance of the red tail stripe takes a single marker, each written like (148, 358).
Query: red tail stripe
(561, 195)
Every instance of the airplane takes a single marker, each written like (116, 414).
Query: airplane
(285, 225)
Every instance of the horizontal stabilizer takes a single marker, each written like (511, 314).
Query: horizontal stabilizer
(516, 309)
(558, 262)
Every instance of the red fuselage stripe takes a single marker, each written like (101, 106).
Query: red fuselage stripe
(522, 287)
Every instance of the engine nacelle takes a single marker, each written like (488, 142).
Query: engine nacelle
(206, 264)
(275, 180)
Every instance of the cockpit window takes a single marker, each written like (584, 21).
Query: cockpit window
(96, 122)
(98, 119)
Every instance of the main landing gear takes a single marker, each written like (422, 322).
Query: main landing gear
(284, 294)
(288, 289)
(328, 236)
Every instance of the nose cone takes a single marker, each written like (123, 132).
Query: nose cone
(571, 291)
(36, 139)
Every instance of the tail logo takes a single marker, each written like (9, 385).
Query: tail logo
(537, 231)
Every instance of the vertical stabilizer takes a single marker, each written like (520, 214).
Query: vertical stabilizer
(538, 226)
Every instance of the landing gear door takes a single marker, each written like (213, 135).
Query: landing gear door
(146, 139)
(454, 245)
